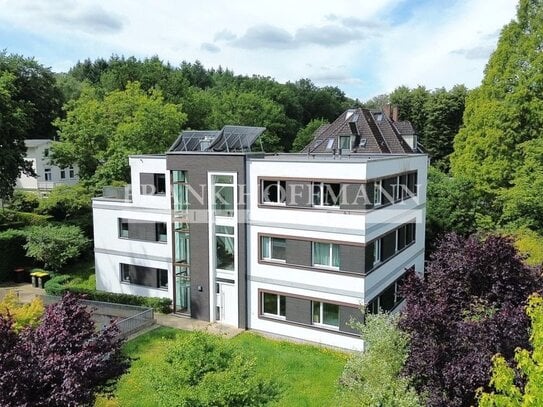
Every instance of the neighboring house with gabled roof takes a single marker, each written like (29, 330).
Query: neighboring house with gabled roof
(368, 131)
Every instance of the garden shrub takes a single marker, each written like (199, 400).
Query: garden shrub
(23, 201)
(32, 219)
(55, 245)
(12, 243)
(23, 315)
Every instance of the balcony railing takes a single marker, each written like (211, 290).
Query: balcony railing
(119, 193)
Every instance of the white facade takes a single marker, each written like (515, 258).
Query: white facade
(48, 175)
(112, 250)
(328, 224)
(317, 287)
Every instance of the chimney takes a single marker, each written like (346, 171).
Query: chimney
(387, 110)
(395, 113)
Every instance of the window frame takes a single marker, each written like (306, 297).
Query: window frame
(377, 193)
(266, 242)
(225, 235)
(48, 174)
(279, 307)
(158, 234)
(322, 191)
(281, 186)
(122, 222)
(320, 322)
(330, 266)
(157, 181)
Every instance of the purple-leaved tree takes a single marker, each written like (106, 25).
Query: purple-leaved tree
(62, 362)
(469, 307)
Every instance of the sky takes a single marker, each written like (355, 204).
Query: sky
(365, 48)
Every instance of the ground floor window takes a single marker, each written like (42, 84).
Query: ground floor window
(274, 304)
(145, 276)
(325, 314)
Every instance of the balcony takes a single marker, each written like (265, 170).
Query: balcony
(117, 193)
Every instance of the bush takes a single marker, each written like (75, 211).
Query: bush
(32, 219)
(205, 370)
(65, 202)
(55, 245)
(55, 287)
(12, 243)
(23, 201)
(23, 315)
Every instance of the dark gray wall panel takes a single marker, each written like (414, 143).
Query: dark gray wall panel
(357, 196)
(298, 252)
(369, 256)
(147, 182)
(299, 310)
(345, 316)
(197, 167)
(299, 194)
(352, 258)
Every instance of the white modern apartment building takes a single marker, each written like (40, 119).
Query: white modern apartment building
(289, 244)
(47, 175)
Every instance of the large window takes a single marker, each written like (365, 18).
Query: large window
(182, 248)
(389, 245)
(325, 314)
(160, 184)
(180, 192)
(326, 255)
(142, 230)
(273, 248)
(274, 305)
(326, 194)
(145, 276)
(273, 192)
(224, 241)
(223, 195)
(47, 174)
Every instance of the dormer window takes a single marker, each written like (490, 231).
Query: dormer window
(345, 142)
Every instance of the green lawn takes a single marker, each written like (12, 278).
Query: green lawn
(307, 374)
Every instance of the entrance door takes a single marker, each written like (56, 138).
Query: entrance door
(226, 304)
(182, 293)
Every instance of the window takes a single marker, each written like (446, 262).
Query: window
(223, 195)
(388, 299)
(405, 236)
(72, 173)
(62, 174)
(46, 153)
(377, 193)
(412, 183)
(377, 251)
(123, 227)
(224, 246)
(273, 248)
(161, 232)
(152, 184)
(330, 144)
(182, 248)
(274, 304)
(325, 194)
(47, 174)
(274, 192)
(162, 278)
(326, 254)
(325, 314)
(160, 184)
(401, 186)
(145, 276)
(345, 142)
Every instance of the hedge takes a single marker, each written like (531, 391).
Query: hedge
(12, 252)
(33, 219)
(55, 287)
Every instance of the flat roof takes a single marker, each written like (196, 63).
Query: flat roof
(354, 158)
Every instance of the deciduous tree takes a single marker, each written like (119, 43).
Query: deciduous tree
(64, 361)
(469, 307)
(305, 135)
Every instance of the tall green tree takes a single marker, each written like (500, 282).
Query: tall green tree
(99, 133)
(444, 110)
(34, 87)
(411, 104)
(506, 111)
(13, 126)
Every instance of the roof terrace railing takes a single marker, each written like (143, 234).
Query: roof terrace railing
(120, 193)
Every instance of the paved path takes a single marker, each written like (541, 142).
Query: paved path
(27, 292)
